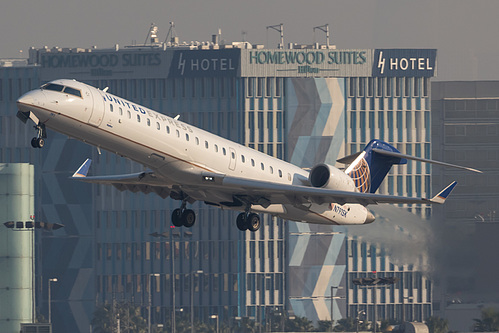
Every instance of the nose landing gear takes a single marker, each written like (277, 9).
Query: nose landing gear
(39, 140)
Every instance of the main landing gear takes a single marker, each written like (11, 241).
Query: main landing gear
(248, 221)
(39, 140)
(182, 217)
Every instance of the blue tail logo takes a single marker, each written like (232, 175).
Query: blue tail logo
(361, 175)
(370, 168)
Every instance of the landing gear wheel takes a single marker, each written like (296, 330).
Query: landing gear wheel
(34, 143)
(37, 142)
(253, 222)
(177, 218)
(241, 222)
(188, 218)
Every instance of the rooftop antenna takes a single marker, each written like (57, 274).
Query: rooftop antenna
(153, 34)
(172, 34)
(279, 28)
(324, 28)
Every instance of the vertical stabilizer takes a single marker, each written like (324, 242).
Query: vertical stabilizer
(370, 168)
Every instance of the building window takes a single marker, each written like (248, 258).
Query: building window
(379, 87)
(268, 90)
(388, 87)
(417, 82)
(259, 87)
(398, 83)
(362, 86)
(353, 85)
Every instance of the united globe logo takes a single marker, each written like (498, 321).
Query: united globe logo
(361, 176)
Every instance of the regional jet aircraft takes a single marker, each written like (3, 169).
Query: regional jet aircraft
(190, 164)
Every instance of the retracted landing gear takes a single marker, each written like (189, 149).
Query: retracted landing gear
(39, 140)
(248, 221)
(183, 217)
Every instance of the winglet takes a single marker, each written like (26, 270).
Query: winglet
(83, 169)
(440, 197)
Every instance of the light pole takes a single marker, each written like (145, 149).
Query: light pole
(332, 305)
(150, 303)
(357, 321)
(192, 297)
(215, 317)
(49, 300)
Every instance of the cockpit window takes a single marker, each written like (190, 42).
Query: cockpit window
(61, 88)
(53, 87)
(72, 91)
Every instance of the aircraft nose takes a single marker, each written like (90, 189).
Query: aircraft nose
(369, 218)
(26, 99)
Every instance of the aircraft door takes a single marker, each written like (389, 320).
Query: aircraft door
(97, 110)
(233, 158)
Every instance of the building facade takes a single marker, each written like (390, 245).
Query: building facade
(465, 117)
(306, 104)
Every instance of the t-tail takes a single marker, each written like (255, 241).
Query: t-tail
(369, 167)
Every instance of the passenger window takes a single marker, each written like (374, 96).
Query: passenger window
(271, 170)
(197, 141)
(138, 118)
(186, 137)
(111, 107)
(206, 145)
(262, 166)
(158, 126)
(224, 151)
(243, 159)
(148, 122)
(168, 129)
(289, 176)
(178, 134)
(216, 148)
(252, 162)
(280, 173)
(121, 111)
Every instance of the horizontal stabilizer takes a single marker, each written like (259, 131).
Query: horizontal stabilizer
(409, 157)
(440, 197)
(83, 169)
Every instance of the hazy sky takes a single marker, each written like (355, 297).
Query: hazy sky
(465, 32)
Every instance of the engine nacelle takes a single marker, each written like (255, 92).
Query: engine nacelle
(327, 176)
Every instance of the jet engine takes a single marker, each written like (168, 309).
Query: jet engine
(327, 176)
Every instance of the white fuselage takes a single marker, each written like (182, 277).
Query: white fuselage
(177, 152)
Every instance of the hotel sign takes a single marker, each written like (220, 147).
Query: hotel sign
(404, 62)
(195, 63)
(306, 62)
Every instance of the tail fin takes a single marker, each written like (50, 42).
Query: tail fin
(83, 169)
(369, 167)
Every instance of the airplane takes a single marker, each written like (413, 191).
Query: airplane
(189, 164)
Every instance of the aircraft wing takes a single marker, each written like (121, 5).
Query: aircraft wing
(261, 192)
(145, 181)
(252, 191)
